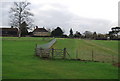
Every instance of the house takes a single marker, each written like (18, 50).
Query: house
(41, 32)
(9, 32)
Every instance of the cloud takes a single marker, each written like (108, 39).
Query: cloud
(51, 15)
(4, 15)
(119, 13)
(54, 15)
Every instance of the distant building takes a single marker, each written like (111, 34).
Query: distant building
(9, 32)
(119, 35)
(41, 32)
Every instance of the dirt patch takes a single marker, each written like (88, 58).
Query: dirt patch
(117, 64)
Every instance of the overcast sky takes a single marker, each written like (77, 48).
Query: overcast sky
(80, 15)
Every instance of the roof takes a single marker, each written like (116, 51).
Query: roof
(116, 28)
(9, 29)
(40, 30)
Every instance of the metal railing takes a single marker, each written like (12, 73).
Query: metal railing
(46, 46)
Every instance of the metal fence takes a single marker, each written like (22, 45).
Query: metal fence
(46, 46)
(95, 55)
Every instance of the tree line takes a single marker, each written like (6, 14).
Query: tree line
(21, 18)
(112, 35)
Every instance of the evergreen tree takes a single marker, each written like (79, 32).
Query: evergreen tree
(77, 34)
(24, 29)
(57, 32)
(71, 33)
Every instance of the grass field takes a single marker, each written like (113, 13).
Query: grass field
(103, 50)
(19, 61)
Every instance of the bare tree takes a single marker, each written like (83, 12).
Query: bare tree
(19, 13)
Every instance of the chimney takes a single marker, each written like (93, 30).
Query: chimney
(11, 26)
(36, 27)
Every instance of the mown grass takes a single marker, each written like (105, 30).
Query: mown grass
(106, 51)
(112, 44)
(0, 59)
(19, 61)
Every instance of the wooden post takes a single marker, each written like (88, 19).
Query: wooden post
(52, 53)
(64, 54)
(92, 56)
(41, 52)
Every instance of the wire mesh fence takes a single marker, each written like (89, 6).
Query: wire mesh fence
(48, 45)
(95, 55)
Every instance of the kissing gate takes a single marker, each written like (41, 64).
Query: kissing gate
(51, 53)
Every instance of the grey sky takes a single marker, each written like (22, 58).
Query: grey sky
(119, 14)
(81, 15)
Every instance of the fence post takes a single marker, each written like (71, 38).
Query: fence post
(52, 53)
(41, 52)
(64, 55)
(92, 56)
